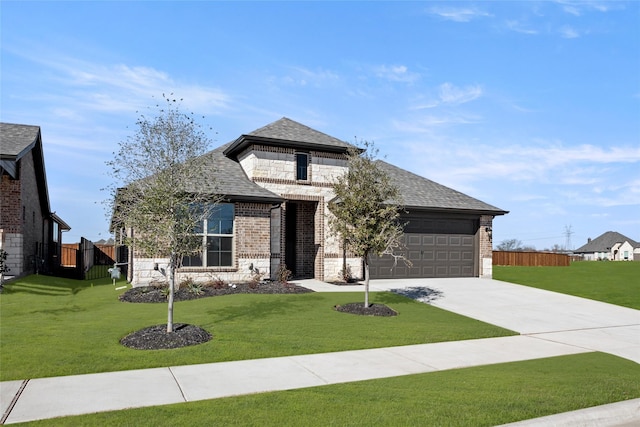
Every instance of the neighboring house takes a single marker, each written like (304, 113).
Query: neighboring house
(29, 232)
(610, 246)
(277, 182)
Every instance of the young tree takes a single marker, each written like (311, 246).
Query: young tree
(161, 192)
(366, 210)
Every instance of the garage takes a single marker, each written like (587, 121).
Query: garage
(436, 245)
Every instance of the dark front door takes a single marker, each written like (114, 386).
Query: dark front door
(290, 237)
(300, 248)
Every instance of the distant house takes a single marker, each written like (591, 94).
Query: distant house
(30, 232)
(277, 184)
(610, 246)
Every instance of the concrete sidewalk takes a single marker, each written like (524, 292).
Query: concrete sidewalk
(552, 325)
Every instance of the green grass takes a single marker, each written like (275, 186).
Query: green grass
(612, 282)
(51, 326)
(479, 396)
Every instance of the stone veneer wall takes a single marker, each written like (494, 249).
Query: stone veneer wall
(486, 246)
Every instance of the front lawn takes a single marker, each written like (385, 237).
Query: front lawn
(479, 396)
(51, 326)
(612, 282)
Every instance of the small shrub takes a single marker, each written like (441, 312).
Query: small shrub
(216, 283)
(346, 275)
(158, 284)
(283, 274)
(165, 292)
(187, 282)
(195, 288)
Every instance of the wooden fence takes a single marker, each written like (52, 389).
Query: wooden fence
(531, 259)
(69, 253)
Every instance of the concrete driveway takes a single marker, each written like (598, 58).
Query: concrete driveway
(550, 316)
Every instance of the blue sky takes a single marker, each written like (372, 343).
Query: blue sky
(533, 107)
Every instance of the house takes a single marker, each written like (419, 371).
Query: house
(610, 246)
(277, 183)
(30, 233)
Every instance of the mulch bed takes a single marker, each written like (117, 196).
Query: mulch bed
(371, 310)
(157, 338)
(153, 294)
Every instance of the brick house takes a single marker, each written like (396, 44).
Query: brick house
(277, 182)
(29, 232)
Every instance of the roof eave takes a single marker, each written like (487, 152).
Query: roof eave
(246, 140)
(492, 212)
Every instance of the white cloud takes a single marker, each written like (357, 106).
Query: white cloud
(569, 33)
(458, 14)
(396, 73)
(578, 8)
(301, 76)
(89, 86)
(450, 94)
(519, 27)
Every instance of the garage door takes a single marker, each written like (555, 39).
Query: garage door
(435, 247)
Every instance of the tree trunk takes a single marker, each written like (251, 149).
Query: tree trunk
(366, 281)
(172, 282)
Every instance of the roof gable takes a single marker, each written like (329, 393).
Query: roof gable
(288, 133)
(17, 140)
(605, 242)
(230, 180)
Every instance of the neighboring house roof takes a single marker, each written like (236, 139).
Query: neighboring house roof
(16, 140)
(288, 133)
(605, 242)
(421, 193)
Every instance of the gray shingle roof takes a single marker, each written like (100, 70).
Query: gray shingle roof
(16, 140)
(230, 179)
(422, 193)
(605, 242)
(289, 133)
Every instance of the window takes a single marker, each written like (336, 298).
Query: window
(302, 164)
(217, 239)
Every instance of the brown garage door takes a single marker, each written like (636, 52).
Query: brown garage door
(436, 247)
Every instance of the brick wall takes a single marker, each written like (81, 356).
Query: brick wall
(486, 246)
(10, 205)
(21, 218)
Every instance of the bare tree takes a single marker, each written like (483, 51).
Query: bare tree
(158, 193)
(366, 210)
(510, 245)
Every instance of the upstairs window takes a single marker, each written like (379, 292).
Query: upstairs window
(302, 166)
(217, 239)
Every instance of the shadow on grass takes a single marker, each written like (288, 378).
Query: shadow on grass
(50, 286)
(262, 309)
(419, 293)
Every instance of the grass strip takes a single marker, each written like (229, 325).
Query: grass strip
(612, 282)
(479, 396)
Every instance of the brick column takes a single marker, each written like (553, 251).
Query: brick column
(486, 246)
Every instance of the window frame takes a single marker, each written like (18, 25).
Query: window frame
(208, 231)
(307, 162)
